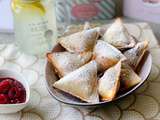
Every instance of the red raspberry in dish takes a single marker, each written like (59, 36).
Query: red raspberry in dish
(5, 85)
(17, 84)
(3, 99)
(14, 93)
(11, 91)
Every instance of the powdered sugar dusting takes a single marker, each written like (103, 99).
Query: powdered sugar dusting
(81, 83)
(68, 62)
(117, 35)
(104, 49)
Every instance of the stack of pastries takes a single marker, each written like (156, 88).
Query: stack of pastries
(96, 65)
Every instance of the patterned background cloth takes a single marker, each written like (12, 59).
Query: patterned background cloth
(144, 104)
(105, 9)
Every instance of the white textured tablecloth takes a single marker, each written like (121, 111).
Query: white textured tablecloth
(144, 104)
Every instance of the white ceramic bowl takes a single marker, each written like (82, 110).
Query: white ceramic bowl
(12, 108)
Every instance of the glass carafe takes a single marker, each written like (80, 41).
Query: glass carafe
(35, 25)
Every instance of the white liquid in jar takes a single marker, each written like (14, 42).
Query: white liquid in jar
(35, 25)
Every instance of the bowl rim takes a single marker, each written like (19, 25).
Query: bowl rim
(101, 102)
(26, 86)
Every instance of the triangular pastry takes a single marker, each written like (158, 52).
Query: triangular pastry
(81, 83)
(81, 41)
(134, 55)
(109, 83)
(106, 55)
(128, 77)
(66, 62)
(118, 36)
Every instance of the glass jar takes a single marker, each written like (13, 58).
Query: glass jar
(34, 25)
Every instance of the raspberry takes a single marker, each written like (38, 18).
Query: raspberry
(5, 85)
(22, 98)
(11, 91)
(12, 101)
(14, 93)
(17, 84)
(3, 99)
(17, 101)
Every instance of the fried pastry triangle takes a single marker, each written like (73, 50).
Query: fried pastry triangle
(118, 36)
(109, 83)
(128, 77)
(81, 41)
(66, 62)
(81, 83)
(135, 54)
(106, 55)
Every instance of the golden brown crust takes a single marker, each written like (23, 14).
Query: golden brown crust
(66, 62)
(56, 66)
(81, 83)
(108, 87)
(128, 77)
(106, 55)
(80, 42)
(118, 36)
(135, 55)
(104, 63)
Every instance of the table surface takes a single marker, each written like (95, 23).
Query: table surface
(144, 104)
